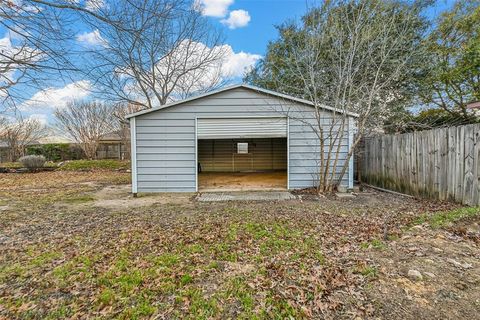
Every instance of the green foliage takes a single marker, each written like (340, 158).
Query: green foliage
(451, 77)
(84, 165)
(77, 199)
(403, 122)
(442, 72)
(11, 165)
(106, 297)
(305, 61)
(442, 219)
(186, 279)
(375, 244)
(366, 270)
(56, 151)
(271, 72)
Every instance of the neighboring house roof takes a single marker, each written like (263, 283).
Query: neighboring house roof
(4, 144)
(54, 139)
(245, 86)
(474, 105)
(111, 136)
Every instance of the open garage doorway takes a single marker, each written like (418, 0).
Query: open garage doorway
(242, 164)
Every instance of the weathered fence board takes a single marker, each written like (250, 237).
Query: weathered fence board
(440, 163)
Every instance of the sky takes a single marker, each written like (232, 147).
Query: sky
(264, 16)
(247, 25)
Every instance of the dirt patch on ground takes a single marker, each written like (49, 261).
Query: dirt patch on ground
(86, 249)
(242, 181)
(447, 282)
(120, 197)
(59, 179)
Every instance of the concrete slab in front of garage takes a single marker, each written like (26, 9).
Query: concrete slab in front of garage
(245, 196)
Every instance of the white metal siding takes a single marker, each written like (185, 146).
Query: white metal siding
(166, 159)
(133, 153)
(241, 128)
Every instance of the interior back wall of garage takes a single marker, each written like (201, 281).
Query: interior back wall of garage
(221, 155)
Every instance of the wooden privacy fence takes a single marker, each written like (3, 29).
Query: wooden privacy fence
(440, 163)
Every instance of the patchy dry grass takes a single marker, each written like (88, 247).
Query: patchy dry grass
(79, 165)
(65, 257)
(16, 165)
(447, 218)
(45, 188)
(12, 165)
(86, 165)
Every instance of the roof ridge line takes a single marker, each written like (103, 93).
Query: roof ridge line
(235, 86)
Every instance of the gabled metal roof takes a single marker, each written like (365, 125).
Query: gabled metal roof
(245, 86)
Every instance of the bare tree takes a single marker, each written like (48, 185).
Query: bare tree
(32, 50)
(85, 122)
(121, 126)
(20, 134)
(164, 50)
(352, 56)
(148, 52)
(3, 123)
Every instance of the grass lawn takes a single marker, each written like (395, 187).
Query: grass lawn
(106, 164)
(76, 245)
(79, 165)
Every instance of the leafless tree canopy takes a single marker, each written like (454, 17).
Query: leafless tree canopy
(164, 49)
(148, 52)
(19, 134)
(33, 48)
(352, 56)
(85, 123)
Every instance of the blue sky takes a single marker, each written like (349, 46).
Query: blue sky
(265, 14)
(248, 26)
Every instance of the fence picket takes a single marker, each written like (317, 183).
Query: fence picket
(440, 163)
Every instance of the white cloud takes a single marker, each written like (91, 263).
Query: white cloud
(14, 5)
(237, 19)
(230, 64)
(6, 50)
(51, 98)
(5, 44)
(237, 64)
(196, 77)
(94, 5)
(10, 51)
(214, 8)
(93, 38)
(16, 33)
(40, 117)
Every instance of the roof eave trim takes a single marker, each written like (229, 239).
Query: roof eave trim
(299, 100)
(182, 101)
(269, 92)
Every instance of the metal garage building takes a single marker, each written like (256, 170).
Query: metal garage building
(239, 137)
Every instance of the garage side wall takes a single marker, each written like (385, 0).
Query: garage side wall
(166, 146)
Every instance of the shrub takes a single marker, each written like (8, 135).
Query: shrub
(32, 162)
(57, 151)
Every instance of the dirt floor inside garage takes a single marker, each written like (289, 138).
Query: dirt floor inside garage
(242, 181)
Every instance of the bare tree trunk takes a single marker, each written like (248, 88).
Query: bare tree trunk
(350, 57)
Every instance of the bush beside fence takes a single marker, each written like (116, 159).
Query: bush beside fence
(56, 151)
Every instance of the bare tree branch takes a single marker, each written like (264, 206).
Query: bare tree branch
(165, 50)
(85, 123)
(19, 134)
